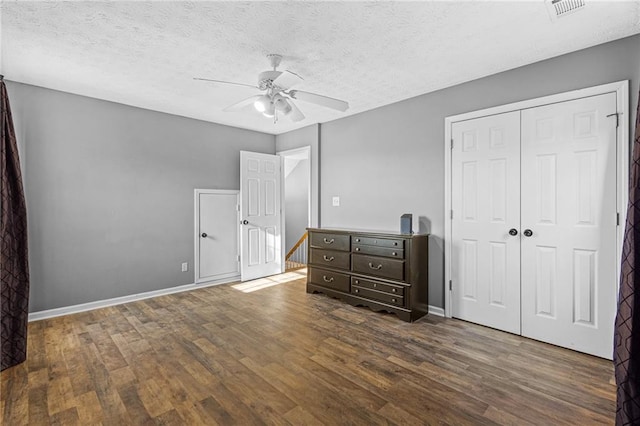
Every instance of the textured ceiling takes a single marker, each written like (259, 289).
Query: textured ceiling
(367, 53)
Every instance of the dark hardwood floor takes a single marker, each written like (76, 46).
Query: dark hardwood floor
(260, 353)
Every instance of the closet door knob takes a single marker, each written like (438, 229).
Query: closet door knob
(513, 231)
(528, 232)
(204, 235)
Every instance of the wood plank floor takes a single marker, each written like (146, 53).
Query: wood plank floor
(261, 353)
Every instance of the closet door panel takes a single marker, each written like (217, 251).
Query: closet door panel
(569, 204)
(486, 205)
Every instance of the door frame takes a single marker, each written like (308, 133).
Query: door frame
(196, 225)
(621, 88)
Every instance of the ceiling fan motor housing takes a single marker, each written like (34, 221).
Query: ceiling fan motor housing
(266, 78)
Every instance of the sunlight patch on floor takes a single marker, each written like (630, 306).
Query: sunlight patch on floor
(260, 283)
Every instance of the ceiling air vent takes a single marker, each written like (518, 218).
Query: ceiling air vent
(559, 8)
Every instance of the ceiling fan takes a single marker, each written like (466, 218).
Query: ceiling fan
(278, 97)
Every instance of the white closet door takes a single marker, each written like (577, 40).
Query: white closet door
(569, 205)
(486, 205)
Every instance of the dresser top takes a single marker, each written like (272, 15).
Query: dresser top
(372, 232)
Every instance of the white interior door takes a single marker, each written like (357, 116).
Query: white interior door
(569, 205)
(217, 247)
(261, 215)
(486, 206)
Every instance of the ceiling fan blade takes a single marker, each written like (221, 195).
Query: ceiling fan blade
(320, 100)
(226, 82)
(295, 114)
(243, 103)
(287, 79)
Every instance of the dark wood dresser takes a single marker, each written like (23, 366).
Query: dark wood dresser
(384, 271)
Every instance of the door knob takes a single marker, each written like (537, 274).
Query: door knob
(528, 232)
(245, 222)
(513, 231)
(204, 235)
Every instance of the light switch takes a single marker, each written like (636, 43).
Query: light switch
(336, 201)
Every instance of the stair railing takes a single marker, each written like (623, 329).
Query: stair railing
(297, 256)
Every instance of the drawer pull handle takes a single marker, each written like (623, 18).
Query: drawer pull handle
(374, 267)
(327, 280)
(393, 300)
(395, 244)
(375, 285)
(357, 248)
(357, 291)
(357, 282)
(327, 258)
(393, 290)
(328, 241)
(394, 254)
(357, 240)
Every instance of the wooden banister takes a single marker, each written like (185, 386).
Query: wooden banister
(296, 245)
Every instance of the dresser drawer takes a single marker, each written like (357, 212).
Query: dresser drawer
(377, 295)
(329, 279)
(395, 290)
(331, 241)
(330, 258)
(379, 251)
(378, 266)
(380, 242)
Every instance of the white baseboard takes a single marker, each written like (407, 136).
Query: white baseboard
(222, 280)
(83, 307)
(434, 310)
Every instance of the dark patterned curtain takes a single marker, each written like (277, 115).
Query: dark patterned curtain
(13, 252)
(626, 356)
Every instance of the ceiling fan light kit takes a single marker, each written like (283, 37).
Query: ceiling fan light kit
(278, 97)
(261, 103)
(270, 110)
(281, 104)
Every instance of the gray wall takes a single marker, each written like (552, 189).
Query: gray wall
(296, 196)
(110, 187)
(390, 160)
(110, 192)
(307, 136)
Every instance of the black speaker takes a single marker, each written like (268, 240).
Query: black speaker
(405, 223)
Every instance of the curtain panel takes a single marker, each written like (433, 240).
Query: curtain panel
(626, 355)
(13, 250)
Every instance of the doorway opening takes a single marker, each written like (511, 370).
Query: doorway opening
(296, 178)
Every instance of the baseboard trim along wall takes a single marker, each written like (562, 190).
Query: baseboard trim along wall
(83, 307)
(434, 310)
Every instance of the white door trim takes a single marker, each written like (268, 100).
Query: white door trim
(621, 88)
(196, 230)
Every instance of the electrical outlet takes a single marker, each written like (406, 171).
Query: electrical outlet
(185, 267)
(336, 201)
